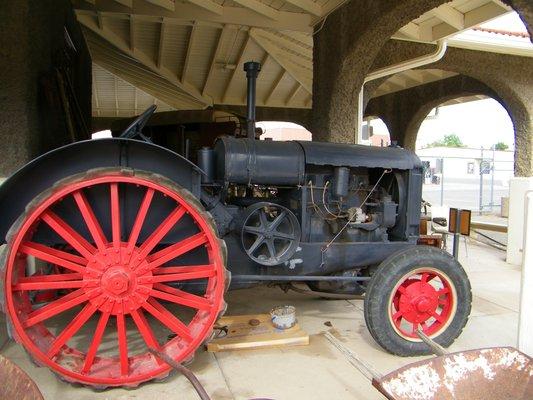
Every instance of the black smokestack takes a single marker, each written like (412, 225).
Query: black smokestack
(252, 69)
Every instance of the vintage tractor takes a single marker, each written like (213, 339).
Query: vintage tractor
(115, 246)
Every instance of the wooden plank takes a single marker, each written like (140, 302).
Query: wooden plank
(242, 335)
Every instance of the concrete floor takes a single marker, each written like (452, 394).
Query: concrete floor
(317, 371)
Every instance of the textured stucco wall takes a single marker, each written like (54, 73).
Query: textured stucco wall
(403, 112)
(510, 78)
(348, 47)
(32, 43)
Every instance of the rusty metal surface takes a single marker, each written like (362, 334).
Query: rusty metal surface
(486, 374)
(15, 383)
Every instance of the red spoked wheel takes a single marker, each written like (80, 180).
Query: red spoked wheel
(417, 288)
(423, 299)
(140, 266)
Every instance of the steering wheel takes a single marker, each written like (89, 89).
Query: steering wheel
(136, 127)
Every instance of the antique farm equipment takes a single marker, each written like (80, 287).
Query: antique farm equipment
(115, 246)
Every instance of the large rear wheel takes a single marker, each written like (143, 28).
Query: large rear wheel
(133, 262)
(419, 288)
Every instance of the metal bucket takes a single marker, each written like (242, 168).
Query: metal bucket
(487, 374)
(16, 384)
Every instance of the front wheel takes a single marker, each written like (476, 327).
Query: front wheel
(419, 288)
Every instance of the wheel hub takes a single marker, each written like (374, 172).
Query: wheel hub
(121, 279)
(418, 302)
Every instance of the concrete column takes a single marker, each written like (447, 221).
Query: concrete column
(525, 317)
(33, 45)
(515, 234)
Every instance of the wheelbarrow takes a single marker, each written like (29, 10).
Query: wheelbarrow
(15, 383)
(498, 373)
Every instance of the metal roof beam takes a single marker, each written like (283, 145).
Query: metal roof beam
(148, 62)
(260, 8)
(221, 37)
(308, 6)
(187, 12)
(208, 5)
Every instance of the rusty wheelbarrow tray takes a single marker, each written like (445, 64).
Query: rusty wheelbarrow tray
(15, 383)
(484, 374)
(498, 373)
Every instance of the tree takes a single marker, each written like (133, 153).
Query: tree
(451, 140)
(500, 146)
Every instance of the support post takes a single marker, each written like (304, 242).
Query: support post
(442, 182)
(525, 316)
(481, 164)
(457, 234)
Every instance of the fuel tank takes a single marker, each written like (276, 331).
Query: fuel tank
(248, 161)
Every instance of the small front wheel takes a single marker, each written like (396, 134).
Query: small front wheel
(419, 288)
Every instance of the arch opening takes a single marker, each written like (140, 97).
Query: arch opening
(467, 147)
(283, 131)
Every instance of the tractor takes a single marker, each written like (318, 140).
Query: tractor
(117, 246)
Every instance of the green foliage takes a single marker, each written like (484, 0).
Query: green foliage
(451, 140)
(501, 146)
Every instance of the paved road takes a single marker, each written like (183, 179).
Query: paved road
(463, 195)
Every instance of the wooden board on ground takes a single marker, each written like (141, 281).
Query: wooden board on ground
(243, 335)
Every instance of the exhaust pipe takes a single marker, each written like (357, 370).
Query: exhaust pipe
(252, 69)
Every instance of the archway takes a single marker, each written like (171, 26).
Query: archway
(339, 69)
(467, 147)
(282, 131)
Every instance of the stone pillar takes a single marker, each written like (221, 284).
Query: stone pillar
(32, 45)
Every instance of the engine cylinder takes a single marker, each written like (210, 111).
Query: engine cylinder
(246, 161)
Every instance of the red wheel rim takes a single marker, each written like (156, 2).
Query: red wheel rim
(115, 279)
(423, 300)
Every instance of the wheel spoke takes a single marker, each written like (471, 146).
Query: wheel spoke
(443, 291)
(54, 256)
(271, 248)
(64, 230)
(56, 307)
(254, 230)
(44, 282)
(115, 214)
(438, 317)
(95, 343)
(256, 244)
(161, 231)
(168, 319)
(401, 289)
(90, 220)
(397, 315)
(176, 274)
(278, 220)
(178, 296)
(144, 329)
(263, 219)
(123, 344)
(71, 329)
(282, 235)
(139, 219)
(176, 250)
(424, 277)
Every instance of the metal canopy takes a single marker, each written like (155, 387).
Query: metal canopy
(189, 55)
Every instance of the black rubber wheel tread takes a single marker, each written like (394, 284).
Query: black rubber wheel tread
(160, 179)
(376, 305)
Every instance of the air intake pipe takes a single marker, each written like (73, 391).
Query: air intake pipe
(252, 69)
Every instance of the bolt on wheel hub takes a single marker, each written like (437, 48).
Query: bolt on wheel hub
(423, 300)
(121, 280)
